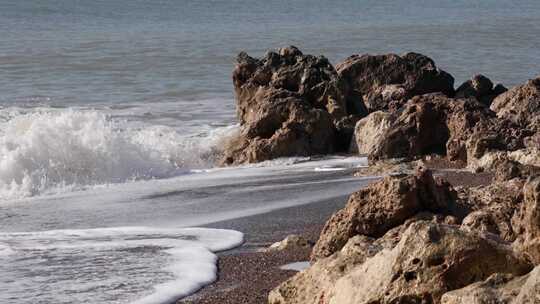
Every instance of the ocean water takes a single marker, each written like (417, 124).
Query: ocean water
(112, 113)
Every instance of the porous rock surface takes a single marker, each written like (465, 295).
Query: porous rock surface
(499, 288)
(288, 104)
(429, 260)
(383, 82)
(521, 104)
(374, 210)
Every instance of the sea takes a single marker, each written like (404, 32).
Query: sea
(113, 112)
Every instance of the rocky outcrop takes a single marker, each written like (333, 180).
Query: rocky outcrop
(508, 165)
(481, 88)
(521, 105)
(369, 131)
(288, 104)
(429, 260)
(427, 124)
(383, 82)
(526, 222)
(492, 207)
(374, 210)
(462, 129)
(499, 288)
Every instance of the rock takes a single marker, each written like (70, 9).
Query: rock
(291, 242)
(383, 82)
(462, 129)
(288, 128)
(521, 105)
(431, 124)
(526, 221)
(529, 156)
(374, 210)
(429, 260)
(310, 285)
(288, 104)
(499, 288)
(507, 165)
(369, 131)
(493, 207)
(481, 88)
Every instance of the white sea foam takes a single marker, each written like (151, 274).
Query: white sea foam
(44, 151)
(118, 265)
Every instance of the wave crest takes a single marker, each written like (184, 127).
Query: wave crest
(45, 151)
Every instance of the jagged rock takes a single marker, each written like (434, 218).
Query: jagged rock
(287, 105)
(430, 124)
(530, 156)
(462, 129)
(291, 242)
(526, 222)
(311, 285)
(499, 289)
(369, 132)
(428, 260)
(521, 105)
(492, 207)
(383, 82)
(481, 88)
(374, 210)
(508, 165)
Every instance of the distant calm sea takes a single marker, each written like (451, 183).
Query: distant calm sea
(111, 112)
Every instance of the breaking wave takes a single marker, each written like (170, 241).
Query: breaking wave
(49, 151)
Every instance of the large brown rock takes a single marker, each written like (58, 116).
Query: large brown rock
(521, 104)
(369, 132)
(429, 260)
(383, 205)
(461, 129)
(526, 222)
(499, 289)
(385, 82)
(481, 88)
(492, 207)
(288, 104)
(431, 123)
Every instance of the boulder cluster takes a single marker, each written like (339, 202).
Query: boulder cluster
(415, 239)
(382, 106)
(408, 238)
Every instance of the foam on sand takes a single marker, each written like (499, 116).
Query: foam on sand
(110, 265)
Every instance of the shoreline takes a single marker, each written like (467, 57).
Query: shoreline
(246, 275)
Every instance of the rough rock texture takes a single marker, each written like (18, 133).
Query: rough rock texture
(291, 242)
(492, 207)
(381, 206)
(499, 289)
(521, 105)
(508, 165)
(288, 104)
(385, 82)
(526, 222)
(426, 124)
(530, 156)
(462, 129)
(429, 260)
(481, 88)
(369, 131)
(311, 285)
